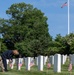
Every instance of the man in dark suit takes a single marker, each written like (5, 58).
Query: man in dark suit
(8, 55)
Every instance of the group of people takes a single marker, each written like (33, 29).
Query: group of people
(7, 55)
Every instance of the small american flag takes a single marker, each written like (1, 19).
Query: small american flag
(20, 64)
(65, 4)
(10, 64)
(32, 63)
(70, 67)
(48, 65)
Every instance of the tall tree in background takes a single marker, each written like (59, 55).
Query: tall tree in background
(62, 45)
(70, 40)
(26, 27)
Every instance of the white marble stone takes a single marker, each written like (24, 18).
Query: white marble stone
(72, 58)
(44, 60)
(12, 64)
(57, 63)
(32, 62)
(65, 58)
(36, 60)
(7, 61)
(28, 60)
(51, 60)
(40, 63)
(19, 63)
(62, 59)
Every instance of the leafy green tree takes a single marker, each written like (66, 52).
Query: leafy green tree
(62, 45)
(58, 45)
(70, 40)
(27, 27)
(2, 46)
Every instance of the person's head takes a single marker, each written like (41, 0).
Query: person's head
(15, 52)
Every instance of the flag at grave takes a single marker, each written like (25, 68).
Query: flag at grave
(48, 65)
(32, 63)
(70, 67)
(10, 65)
(20, 63)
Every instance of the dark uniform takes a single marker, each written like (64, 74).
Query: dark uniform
(6, 55)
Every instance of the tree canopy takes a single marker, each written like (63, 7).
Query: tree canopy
(26, 29)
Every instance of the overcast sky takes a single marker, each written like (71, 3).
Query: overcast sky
(57, 16)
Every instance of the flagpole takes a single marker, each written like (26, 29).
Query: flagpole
(68, 17)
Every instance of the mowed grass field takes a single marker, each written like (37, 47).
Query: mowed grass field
(34, 71)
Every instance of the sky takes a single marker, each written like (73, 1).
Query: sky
(57, 16)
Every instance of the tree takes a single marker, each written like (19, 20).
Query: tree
(62, 45)
(58, 45)
(70, 40)
(27, 27)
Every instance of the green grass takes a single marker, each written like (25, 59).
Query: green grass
(34, 71)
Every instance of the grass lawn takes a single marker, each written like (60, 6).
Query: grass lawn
(34, 71)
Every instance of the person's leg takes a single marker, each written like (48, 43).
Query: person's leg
(5, 64)
(2, 67)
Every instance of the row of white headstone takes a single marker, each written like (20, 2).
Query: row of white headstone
(62, 58)
(57, 60)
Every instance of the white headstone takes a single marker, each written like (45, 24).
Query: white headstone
(57, 63)
(65, 58)
(44, 60)
(7, 61)
(32, 62)
(25, 60)
(36, 60)
(12, 64)
(31, 59)
(19, 63)
(72, 58)
(62, 59)
(40, 63)
(51, 59)
(27, 63)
